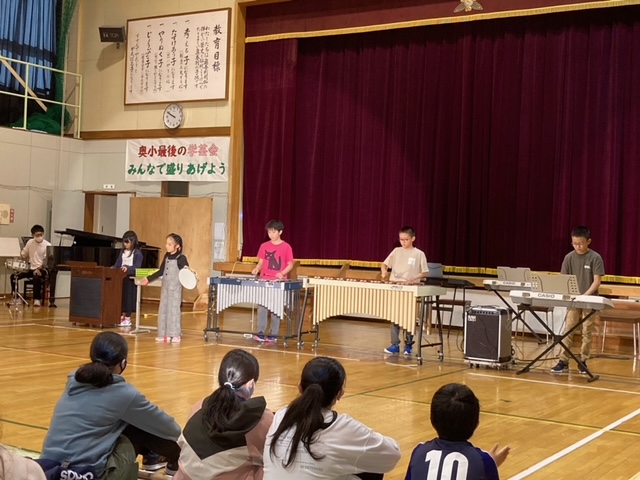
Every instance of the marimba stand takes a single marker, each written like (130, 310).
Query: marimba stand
(308, 294)
(557, 340)
(423, 317)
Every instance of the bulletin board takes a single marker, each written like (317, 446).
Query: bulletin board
(178, 58)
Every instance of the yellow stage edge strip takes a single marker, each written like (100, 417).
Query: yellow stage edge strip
(469, 17)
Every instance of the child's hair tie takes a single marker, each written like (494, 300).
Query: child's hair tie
(230, 385)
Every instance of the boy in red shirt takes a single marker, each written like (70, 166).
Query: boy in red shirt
(275, 261)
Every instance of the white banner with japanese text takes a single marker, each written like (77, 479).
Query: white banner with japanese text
(203, 159)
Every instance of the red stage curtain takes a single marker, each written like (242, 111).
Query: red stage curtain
(492, 138)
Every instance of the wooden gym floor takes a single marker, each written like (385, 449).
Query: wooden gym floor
(559, 427)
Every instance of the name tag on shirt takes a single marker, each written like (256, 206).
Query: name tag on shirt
(411, 261)
(588, 267)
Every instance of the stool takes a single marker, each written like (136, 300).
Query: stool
(545, 310)
(632, 317)
(27, 286)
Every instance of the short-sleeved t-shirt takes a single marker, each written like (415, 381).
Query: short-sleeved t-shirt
(584, 267)
(275, 257)
(406, 263)
(443, 460)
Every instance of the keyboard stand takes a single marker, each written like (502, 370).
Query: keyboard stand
(557, 340)
(520, 316)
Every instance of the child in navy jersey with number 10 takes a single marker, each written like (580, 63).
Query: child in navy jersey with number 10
(455, 414)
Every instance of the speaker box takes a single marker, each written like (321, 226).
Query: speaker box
(487, 335)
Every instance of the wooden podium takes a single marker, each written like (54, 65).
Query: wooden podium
(96, 295)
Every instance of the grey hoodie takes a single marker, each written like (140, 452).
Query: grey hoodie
(87, 422)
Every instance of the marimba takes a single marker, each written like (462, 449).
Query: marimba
(395, 302)
(280, 297)
(544, 299)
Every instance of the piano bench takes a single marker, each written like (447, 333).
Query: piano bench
(629, 317)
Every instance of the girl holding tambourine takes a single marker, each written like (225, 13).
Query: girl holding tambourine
(169, 315)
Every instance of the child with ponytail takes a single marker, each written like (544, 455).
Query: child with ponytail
(308, 440)
(225, 436)
(101, 422)
(169, 314)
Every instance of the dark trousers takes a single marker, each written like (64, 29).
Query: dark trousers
(129, 295)
(38, 282)
(145, 443)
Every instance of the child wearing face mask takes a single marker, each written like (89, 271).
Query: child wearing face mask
(225, 436)
(169, 315)
(36, 252)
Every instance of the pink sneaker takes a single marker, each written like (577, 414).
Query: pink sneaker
(161, 339)
(177, 339)
(125, 322)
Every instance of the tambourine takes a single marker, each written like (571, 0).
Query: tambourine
(188, 279)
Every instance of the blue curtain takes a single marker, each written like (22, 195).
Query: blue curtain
(28, 33)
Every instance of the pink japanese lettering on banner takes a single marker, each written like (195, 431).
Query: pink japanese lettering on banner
(203, 159)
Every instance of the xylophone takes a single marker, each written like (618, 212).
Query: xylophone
(395, 302)
(280, 297)
(528, 300)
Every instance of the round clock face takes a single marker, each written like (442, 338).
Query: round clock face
(173, 116)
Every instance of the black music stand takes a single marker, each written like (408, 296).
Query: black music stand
(557, 340)
(455, 283)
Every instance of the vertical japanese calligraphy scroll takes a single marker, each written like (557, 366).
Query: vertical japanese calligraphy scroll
(182, 159)
(178, 58)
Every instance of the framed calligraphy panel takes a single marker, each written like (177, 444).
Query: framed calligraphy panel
(178, 58)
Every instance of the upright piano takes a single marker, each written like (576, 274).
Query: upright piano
(90, 248)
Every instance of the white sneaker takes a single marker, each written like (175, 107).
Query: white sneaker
(160, 339)
(177, 339)
(36, 303)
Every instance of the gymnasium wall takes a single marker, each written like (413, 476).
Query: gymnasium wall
(38, 171)
(103, 65)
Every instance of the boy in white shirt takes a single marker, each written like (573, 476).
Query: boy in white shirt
(36, 252)
(408, 264)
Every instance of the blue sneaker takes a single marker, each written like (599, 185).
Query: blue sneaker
(561, 367)
(271, 339)
(408, 350)
(259, 337)
(392, 349)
